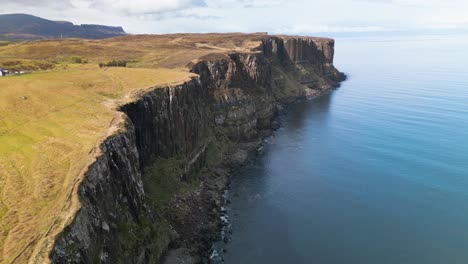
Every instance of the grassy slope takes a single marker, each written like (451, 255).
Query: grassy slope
(45, 140)
(167, 51)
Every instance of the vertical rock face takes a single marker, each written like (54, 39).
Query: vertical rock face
(240, 91)
(309, 50)
(317, 52)
(327, 47)
(111, 193)
(235, 95)
(171, 121)
(112, 225)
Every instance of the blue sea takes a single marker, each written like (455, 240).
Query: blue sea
(376, 172)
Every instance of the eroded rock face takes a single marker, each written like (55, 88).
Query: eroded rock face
(111, 193)
(317, 52)
(171, 121)
(240, 92)
(235, 96)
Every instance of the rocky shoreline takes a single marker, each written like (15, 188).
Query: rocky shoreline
(156, 192)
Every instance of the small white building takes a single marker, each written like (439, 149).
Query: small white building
(3, 72)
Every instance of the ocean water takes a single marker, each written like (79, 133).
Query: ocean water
(373, 173)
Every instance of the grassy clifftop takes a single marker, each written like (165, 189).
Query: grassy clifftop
(148, 51)
(49, 124)
(50, 120)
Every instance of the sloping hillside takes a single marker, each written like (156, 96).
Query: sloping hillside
(28, 27)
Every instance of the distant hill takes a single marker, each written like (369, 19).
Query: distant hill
(28, 27)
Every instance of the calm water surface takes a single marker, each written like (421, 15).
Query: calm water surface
(376, 172)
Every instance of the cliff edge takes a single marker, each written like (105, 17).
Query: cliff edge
(119, 173)
(180, 136)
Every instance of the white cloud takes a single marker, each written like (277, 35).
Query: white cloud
(143, 6)
(285, 16)
(261, 3)
(298, 29)
(51, 4)
(427, 3)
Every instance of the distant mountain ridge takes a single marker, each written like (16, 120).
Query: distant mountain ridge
(29, 27)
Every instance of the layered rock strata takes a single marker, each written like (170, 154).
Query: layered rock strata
(192, 135)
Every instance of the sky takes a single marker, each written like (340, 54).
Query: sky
(273, 16)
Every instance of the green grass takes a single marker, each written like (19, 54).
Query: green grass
(218, 147)
(285, 87)
(4, 43)
(26, 65)
(163, 179)
(286, 76)
(135, 236)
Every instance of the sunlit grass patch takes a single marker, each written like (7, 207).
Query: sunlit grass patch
(49, 122)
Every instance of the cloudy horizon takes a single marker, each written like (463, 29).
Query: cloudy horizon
(274, 16)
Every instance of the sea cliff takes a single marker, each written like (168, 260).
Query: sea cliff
(156, 186)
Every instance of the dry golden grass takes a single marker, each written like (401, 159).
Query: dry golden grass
(51, 120)
(45, 140)
(167, 51)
